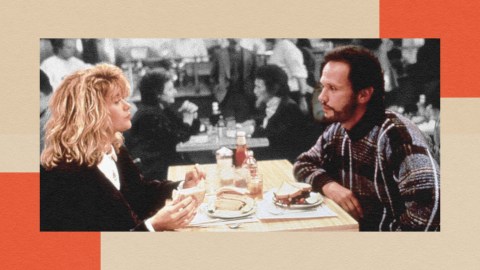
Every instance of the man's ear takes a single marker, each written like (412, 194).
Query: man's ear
(364, 95)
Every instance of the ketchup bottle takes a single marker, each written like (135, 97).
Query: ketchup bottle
(241, 151)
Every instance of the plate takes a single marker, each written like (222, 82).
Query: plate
(316, 197)
(227, 214)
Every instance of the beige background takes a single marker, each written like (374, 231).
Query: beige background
(23, 24)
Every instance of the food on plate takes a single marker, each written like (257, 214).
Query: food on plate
(292, 193)
(232, 190)
(229, 204)
(197, 192)
(231, 199)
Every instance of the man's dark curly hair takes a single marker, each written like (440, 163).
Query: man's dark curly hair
(365, 71)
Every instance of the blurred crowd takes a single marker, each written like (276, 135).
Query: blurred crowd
(269, 85)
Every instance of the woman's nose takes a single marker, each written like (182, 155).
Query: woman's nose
(127, 104)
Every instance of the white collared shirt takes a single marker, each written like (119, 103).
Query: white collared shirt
(271, 109)
(58, 68)
(287, 56)
(109, 168)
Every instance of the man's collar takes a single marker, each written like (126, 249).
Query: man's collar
(370, 119)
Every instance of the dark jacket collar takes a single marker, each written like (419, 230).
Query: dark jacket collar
(370, 119)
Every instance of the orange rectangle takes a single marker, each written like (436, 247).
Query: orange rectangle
(455, 23)
(24, 246)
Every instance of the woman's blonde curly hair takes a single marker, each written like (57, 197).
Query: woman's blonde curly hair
(80, 129)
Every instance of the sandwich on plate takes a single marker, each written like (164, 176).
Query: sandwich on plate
(231, 199)
(293, 193)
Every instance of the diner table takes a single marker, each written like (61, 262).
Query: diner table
(211, 142)
(274, 172)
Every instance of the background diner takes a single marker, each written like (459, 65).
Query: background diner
(204, 71)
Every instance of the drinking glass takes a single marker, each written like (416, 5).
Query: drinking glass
(255, 186)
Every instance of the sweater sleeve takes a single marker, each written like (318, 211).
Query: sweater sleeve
(417, 176)
(310, 167)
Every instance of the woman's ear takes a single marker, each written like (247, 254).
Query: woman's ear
(364, 95)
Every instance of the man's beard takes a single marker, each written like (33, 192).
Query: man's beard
(342, 115)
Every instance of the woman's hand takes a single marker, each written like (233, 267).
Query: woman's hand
(176, 215)
(194, 176)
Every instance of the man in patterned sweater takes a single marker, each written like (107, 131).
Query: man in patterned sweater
(374, 163)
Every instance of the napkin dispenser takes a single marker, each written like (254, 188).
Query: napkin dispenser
(225, 171)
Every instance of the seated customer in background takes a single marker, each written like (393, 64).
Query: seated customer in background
(156, 128)
(286, 127)
(88, 181)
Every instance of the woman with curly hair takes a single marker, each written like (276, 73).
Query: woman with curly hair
(88, 181)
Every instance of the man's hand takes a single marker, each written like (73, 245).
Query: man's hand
(176, 215)
(188, 106)
(188, 118)
(189, 111)
(343, 197)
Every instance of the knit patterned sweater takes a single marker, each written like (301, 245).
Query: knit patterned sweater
(385, 161)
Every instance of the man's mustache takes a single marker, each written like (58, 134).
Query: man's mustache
(328, 107)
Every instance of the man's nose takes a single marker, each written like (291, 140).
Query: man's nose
(322, 97)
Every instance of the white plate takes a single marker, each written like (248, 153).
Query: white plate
(315, 196)
(227, 214)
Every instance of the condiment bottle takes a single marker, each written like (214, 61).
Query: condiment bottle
(241, 151)
(250, 164)
(215, 114)
(221, 126)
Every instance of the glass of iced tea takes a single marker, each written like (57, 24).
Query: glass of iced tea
(255, 186)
